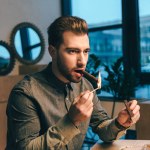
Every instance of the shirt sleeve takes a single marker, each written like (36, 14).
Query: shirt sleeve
(101, 124)
(24, 126)
(108, 131)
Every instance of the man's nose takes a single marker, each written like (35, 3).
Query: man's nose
(82, 59)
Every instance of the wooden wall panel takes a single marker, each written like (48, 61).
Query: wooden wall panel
(6, 85)
(143, 125)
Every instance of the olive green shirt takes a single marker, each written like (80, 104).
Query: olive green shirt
(37, 115)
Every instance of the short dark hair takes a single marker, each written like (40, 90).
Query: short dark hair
(62, 24)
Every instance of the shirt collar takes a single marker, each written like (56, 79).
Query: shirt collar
(54, 81)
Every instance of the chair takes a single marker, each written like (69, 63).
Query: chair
(143, 125)
(6, 85)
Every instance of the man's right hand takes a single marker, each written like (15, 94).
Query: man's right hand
(82, 108)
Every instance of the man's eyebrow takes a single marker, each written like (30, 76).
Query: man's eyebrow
(71, 48)
(74, 48)
(88, 49)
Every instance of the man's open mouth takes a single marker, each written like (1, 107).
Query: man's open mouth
(80, 71)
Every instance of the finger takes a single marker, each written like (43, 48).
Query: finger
(89, 110)
(133, 104)
(89, 105)
(89, 99)
(136, 109)
(91, 96)
(135, 118)
(82, 93)
(79, 96)
(84, 97)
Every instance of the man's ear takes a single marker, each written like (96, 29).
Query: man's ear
(52, 51)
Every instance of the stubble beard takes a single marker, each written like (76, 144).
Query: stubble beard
(66, 72)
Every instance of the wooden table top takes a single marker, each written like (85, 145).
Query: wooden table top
(123, 145)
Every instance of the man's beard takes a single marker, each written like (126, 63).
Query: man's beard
(66, 72)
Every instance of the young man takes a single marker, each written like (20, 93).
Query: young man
(52, 109)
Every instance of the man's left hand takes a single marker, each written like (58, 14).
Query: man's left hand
(125, 119)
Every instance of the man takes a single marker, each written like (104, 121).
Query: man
(52, 109)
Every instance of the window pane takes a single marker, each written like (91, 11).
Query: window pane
(145, 34)
(107, 45)
(95, 12)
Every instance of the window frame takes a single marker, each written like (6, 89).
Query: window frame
(130, 36)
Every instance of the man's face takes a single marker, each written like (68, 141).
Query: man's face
(72, 56)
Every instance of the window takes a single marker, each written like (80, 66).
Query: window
(144, 12)
(28, 49)
(95, 12)
(107, 39)
(106, 44)
(121, 28)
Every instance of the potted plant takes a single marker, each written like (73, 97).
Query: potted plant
(121, 85)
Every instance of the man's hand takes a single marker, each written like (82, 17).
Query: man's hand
(82, 108)
(125, 119)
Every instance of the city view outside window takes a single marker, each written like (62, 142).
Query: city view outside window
(106, 38)
(103, 43)
(107, 45)
(144, 13)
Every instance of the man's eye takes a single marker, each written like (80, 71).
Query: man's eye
(73, 51)
(86, 51)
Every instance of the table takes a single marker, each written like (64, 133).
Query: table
(123, 145)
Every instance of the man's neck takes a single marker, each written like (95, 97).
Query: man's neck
(58, 74)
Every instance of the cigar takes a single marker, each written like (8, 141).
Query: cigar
(86, 74)
(128, 109)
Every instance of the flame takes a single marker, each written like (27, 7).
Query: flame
(99, 80)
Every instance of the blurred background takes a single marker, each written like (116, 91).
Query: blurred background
(119, 33)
